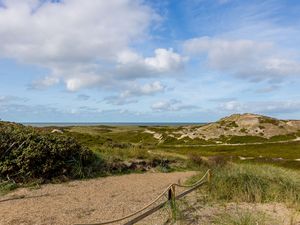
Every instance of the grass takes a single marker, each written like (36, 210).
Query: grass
(125, 142)
(132, 134)
(242, 218)
(7, 186)
(253, 183)
(289, 150)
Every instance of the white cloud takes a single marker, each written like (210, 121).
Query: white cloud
(247, 59)
(234, 106)
(171, 105)
(45, 82)
(72, 30)
(74, 83)
(146, 89)
(134, 91)
(162, 106)
(269, 107)
(164, 61)
(80, 42)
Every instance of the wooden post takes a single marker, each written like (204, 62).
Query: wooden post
(172, 200)
(208, 176)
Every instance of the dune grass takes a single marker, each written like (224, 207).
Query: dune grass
(254, 184)
(242, 218)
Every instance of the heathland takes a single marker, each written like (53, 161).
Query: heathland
(254, 160)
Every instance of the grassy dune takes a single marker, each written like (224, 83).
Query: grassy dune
(133, 141)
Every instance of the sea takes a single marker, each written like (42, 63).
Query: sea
(111, 124)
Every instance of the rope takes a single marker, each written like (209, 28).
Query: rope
(195, 184)
(133, 214)
(151, 203)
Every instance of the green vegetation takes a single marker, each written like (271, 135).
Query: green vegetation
(124, 143)
(26, 153)
(254, 139)
(243, 218)
(228, 124)
(7, 186)
(245, 169)
(290, 150)
(35, 153)
(245, 139)
(270, 120)
(253, 183)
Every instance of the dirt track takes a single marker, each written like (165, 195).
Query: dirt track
(88, 201)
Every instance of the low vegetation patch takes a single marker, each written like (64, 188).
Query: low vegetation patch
(254, 184)
(264, 119)
(242, 218)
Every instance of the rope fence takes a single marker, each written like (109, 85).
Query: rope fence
(169, 191)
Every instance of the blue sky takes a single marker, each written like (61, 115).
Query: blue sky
(148, 61)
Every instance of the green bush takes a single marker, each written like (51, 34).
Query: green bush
(26, 154)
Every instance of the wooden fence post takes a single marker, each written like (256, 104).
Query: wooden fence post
(172, 200)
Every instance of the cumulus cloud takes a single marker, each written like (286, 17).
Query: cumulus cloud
(134, 91)
(68, 31)
(171, 105)
(146, 89)
(268, 107)
(246, 59)
(163, 61)
(82, 43)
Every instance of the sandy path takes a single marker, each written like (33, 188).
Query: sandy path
(87, 201)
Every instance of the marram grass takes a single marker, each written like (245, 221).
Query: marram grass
(242, 218)
(253, 183)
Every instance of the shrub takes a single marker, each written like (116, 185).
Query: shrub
(26, 154)
(196, 159)
(217, 161)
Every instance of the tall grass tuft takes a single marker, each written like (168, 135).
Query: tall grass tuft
(242, 218)
(254, 183)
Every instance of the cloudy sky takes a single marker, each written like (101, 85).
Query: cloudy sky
(148, 60)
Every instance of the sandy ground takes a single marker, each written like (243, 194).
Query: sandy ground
(88, 201)
(102, 199)
(197, 213)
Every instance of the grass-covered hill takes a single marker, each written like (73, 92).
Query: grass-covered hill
(27, 153)
(234, 137)
(237, 128)
(248, 125)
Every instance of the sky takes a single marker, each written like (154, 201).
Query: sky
(148, 60)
